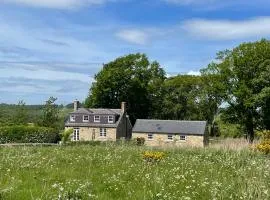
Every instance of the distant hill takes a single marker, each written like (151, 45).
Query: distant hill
(34, 113)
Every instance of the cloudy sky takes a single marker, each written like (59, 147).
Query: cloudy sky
(54, 47)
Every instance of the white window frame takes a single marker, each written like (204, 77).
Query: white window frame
(183, 137)
(170, 137)
(110, 119)
(87, 119)
(95, 118)
(103, 132)
(150, 136)
(72, 118)
(76, 134)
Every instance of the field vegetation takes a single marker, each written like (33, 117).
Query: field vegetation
(120, 171)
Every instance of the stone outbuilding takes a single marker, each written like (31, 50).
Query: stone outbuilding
(171, 132)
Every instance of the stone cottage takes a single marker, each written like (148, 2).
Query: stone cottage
(98, 124)
(171, 132)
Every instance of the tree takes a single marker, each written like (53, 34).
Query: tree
(189, 97)
(133, 79)
(245, 73)
(50, 114)
(21, 114)
(180, 100)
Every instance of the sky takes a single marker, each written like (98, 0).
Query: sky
(55, 47)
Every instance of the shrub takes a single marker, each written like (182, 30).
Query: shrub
(65, 135)
(140, 141)
(264, 135)
(28, 134)
(264, 146)
(153, 156)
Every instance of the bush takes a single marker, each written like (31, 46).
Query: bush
(264, 135)
(226, 129)
(264, 146)
(28, 134)
(140, 141)
(65, 135)
(152, 156)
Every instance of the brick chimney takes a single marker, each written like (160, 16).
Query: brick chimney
(123, 107)
(76, 105)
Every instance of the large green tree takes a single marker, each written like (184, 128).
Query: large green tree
(188, 97)
(133, 79)
(180, 98)
(245, 74)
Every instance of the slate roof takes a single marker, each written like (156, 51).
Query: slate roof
(170, 126)
(94, 111)
(102, 111)
(97, 111)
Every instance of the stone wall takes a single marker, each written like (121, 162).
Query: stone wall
(93, 134)
(162, 140)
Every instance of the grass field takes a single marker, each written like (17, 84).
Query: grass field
(119, 172)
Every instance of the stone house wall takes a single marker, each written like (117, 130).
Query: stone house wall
(93, 134)
(161, 139)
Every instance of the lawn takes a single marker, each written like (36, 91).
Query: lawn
(119, 172)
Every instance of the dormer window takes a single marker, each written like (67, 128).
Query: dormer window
(110, 119)
(85, 118)
(96, 118)
(72, 118)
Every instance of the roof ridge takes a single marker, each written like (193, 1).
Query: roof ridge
(111, 109)
(172, 120)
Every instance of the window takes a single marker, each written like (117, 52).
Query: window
(183, 137)
(85, 118)
(96, 118)
(170, 137)
(102, 132)
(76, 134)
(110, 119)
(150, 136)
(72, 118)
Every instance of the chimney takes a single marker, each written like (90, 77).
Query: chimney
(76, 105)
(123, 107)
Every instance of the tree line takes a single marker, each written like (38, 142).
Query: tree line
(235, 89)
(48, 115)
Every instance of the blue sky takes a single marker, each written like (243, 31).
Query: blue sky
(54, 47)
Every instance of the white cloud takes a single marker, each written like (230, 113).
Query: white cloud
(59, 4)
(195, 73)
(45, 75)
(228, 29)
(133, 36)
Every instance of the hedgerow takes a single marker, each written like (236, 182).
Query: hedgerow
(28, 134)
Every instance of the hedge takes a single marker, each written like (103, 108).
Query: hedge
(28, 134)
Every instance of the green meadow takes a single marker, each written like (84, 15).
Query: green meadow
(110, 171)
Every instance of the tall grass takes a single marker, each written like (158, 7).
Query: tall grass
(119, 172)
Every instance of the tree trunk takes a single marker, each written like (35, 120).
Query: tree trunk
(250, 127)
